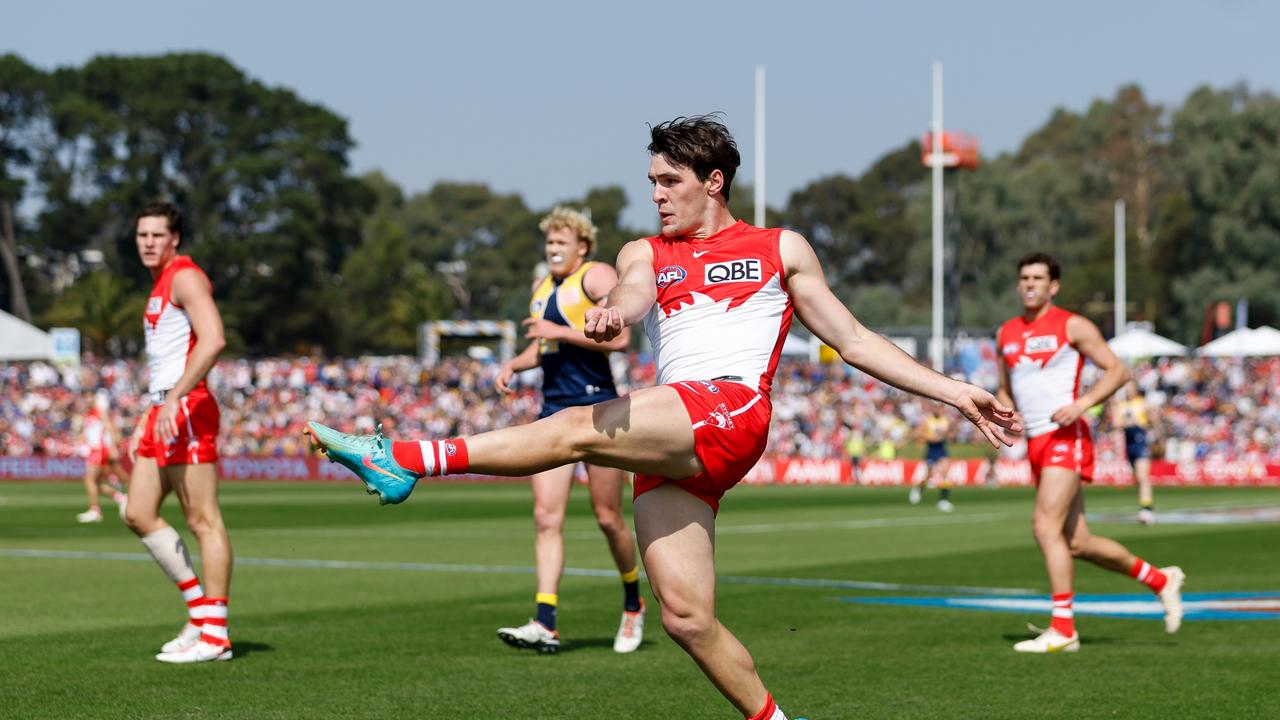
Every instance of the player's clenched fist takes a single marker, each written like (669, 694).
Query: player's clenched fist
(603, 324)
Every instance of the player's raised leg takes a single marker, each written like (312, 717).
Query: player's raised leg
(645, 431)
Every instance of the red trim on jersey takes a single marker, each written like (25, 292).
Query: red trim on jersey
(683, 266)
(162, 289)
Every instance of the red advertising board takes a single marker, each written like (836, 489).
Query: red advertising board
(773, 470)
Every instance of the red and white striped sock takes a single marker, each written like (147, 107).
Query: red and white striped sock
(193, 595)
(770, 711)
(1064, 617)
(214, 630)
(430, 458)
(1145, 573)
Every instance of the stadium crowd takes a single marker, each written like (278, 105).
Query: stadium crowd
(1200, 408)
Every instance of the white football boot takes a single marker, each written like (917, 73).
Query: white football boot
(188, 636)
(199, 652)
(945, 506)
(533, 635)
(92, 515)
(913, 497)
(630, 631)
(1171, 597)
(1146, 517)
(1049, 641)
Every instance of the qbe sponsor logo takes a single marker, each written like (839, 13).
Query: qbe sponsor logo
(732, 271)
(1042, 343)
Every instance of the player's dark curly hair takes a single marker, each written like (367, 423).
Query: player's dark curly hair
(166, 210)
(701, 143)
(1055, 270)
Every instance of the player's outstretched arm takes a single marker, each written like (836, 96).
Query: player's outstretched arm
(630, 300)
(828, 318)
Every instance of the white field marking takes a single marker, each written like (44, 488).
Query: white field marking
(521, 570)
(866, 523)
(483, 534)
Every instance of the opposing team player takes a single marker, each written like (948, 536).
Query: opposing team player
(1130, 415)
(176, 442)
(933, 432)
(575, 371)
(1042, 352)
(717, 296)
(102, 471)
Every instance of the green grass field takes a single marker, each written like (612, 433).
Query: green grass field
(362, 640)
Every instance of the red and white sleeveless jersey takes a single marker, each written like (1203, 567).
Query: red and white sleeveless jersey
(1044, 369)
(95, 431)
(169, 335)
(723, 307)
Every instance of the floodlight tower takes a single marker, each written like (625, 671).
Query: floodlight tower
(942, 150)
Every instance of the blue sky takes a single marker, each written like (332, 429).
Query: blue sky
(548, 99)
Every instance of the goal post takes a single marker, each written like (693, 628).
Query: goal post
(432, 333)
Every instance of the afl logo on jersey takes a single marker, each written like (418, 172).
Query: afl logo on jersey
(1042, 343)
(538, 305)
(1010, 349)
(670, 275)
(733, 271)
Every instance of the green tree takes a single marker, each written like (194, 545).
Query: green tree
(23, 110)
(259, 173)
(1226, 145)
(104, 308)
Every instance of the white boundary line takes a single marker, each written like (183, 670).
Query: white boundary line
(521, 570)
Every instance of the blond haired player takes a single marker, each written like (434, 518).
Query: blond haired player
(575, 372)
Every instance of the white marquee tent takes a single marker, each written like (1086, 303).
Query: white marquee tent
(23, 341)
(1142, 343)
(1245, 342)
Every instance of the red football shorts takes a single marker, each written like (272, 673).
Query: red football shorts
(1067, 447)
(197, 439)
(99, 455)
(730, 428)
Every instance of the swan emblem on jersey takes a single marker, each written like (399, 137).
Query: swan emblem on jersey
(720, 417)
(1027, 362)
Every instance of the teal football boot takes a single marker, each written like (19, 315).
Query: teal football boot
(369, 457)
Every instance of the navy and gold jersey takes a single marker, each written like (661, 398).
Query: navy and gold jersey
(571, 375)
